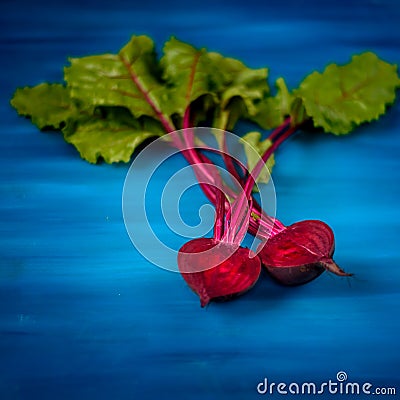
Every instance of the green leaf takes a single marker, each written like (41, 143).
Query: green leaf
(298, 113)
(271, 111)
(49, 106)
(238, 88)
(112, 137)
(129, 79)
(345, 96)
(232, 79)
(187, 70)
(254, 148)
(112, 102)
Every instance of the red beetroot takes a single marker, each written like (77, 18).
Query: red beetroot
(227, 279)
(218, 268)
(300, 253)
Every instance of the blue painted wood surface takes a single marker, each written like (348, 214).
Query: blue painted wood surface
(84, 316)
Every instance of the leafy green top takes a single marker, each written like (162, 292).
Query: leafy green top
(111, 103)
(342, 97)
(49, 106)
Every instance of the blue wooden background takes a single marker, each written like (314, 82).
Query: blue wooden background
(84, 316)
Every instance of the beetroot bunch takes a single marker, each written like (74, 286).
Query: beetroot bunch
(109, 104)
(219, 268)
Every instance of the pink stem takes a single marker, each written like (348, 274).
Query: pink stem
(220, 214)
(228, 160)
(163, 119)
(168, 125)
(261, 163)
(191, 154)
(276, 132)
(242, 226)
(243, 198)
(268, 224)
(195, 157)
(263, 225)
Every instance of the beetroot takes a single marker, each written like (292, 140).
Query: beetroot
(218, 268)
(300, 253)
(233, 276)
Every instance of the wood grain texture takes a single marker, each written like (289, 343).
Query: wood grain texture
(84, 316)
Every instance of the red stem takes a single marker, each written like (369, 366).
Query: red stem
(245, 196)
(261, 163)
(193, 157)
(228, 160)
(272, 225)
(135, 79)
(262, 225)
(219, 214)
(277, 131)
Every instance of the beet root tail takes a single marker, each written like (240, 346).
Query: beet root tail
(204, 299)
(331, 266)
